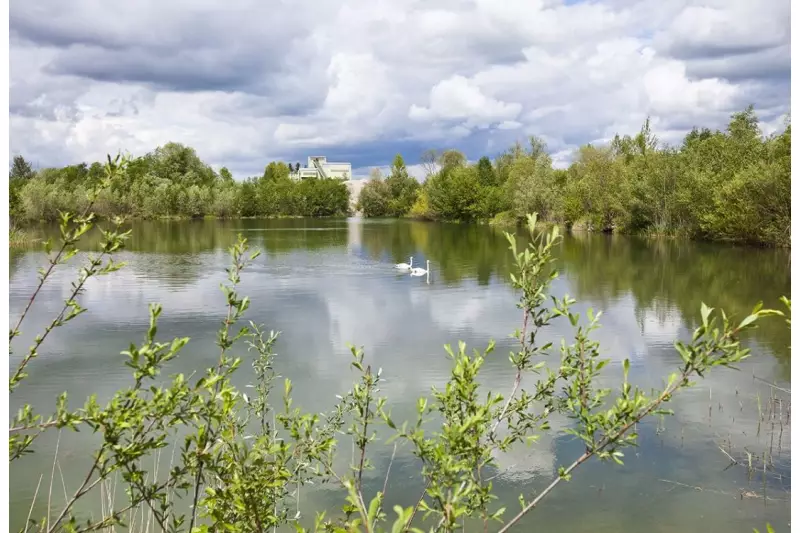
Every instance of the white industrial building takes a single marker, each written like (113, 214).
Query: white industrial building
(319, 167)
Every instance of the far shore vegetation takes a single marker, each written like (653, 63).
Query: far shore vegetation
(732, 185)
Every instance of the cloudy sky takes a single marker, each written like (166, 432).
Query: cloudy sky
(245, 82)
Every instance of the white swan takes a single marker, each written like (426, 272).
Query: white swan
(405, 266)
(421, 271)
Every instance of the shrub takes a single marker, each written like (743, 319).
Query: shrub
(421, 208)
(374, 198)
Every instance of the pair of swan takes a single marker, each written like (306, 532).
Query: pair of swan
(410, 266)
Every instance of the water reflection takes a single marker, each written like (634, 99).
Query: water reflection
(661, 276)
(327, 283)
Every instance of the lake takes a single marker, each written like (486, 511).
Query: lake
(326, 283)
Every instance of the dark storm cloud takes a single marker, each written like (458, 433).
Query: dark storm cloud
(48, 32)
(178, 70)
(718, 50)
(179, 50)
(769, 64)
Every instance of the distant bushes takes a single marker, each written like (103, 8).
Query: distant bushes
(732, 185)
(171, 181)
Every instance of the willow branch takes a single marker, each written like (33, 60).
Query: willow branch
(46, 275)
(609, 439)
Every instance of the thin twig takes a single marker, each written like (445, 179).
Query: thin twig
(83, 489)
(600, 446)
(728, 455)
(416, 507)
(63, 483)
(741, 494)
(35, 495)
(52, 475)
(44, 277)
(788, 391)
(363, 444)
(517, 378)
(77, 288)
(546, 491)
(389, 469)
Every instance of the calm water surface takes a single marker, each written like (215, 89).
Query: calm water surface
(327, 283)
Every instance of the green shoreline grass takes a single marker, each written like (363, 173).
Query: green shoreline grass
(20, 238)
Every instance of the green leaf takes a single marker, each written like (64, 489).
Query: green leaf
(705, 311)
(374, 505)
(747, 321)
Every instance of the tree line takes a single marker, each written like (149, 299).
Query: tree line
(731, 185)
(171, 181)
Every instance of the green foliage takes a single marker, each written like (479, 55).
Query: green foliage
(18, 237)
(322, 197)
(601, 188)
(225, 175)
(276, 171)
(373, 201)
(20, 169)
(451, 159)
(454, 193)
(394, 196)
(21, 172)
(530, 183)
(242, 461)
(402, 189)
(171, 181)
(733, 185)
(422, 205)
(486, 173)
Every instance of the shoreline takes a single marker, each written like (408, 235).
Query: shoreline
(23, 239)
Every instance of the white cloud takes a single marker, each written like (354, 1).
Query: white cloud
(458, 98)
(670, 91)
(368, 79)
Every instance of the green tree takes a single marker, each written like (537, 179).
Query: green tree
(20, 169)
(323, 197)
(731, 185)
(21, 172)
(225, 175)
(276, 171)
(486, 174)
(451, 159)
(180, 164)
(531, 184)
(454, 194)
(602, 188)
(402, 188)
(247, 200)
(374, 198)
